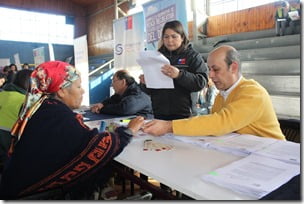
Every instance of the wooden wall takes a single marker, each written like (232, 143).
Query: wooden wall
(100, 27)
(252, 19)
(247, 20)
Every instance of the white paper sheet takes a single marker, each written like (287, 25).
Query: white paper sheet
(255, 176)
(151, 62)
(293, 15)
(286, 151)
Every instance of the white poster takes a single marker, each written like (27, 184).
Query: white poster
(4, 62)
(17, 61)
(82, 64)
(51, 51)
(38, 55)
(129, 41)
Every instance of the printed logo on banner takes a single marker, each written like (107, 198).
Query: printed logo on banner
(118, 49)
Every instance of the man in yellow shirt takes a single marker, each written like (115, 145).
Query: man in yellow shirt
(242, 106)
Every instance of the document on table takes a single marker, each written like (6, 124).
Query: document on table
(254, 175)
(238, 144)
(243, 144)
(202, 141)
(151, 62)
(282, 150)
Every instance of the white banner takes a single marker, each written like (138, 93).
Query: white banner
(82, 64)
(129, 40)
(17, 61)
(38, 55)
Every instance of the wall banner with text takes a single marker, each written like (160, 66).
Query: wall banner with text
(157, 13)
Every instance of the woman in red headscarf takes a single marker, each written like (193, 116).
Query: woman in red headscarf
(51, 147)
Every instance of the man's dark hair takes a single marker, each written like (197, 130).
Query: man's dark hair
(233, 55)
(123, 74)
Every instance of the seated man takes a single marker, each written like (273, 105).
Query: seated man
(128, 99)
(242, 106)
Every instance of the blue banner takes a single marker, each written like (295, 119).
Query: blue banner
(157, 13)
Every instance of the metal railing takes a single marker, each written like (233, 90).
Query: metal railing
(109, 63)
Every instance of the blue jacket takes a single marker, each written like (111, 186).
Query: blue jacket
(133, 102)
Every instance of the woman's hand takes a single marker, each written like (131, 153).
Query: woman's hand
(95, 108)
(135, 124)
(170, 71)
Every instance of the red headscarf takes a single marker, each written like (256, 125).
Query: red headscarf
(46, 79)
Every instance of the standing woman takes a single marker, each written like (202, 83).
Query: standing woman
(53, 148)
(186, 68)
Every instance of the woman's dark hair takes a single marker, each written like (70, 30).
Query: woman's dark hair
(6, 69)
(123, 74)
(13, 65)
(177, 27)
(22, 79)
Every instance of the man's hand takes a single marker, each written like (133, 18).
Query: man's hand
(95, 108)
(158, 127)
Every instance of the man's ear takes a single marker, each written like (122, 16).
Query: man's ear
(124, 82)
(234, 67)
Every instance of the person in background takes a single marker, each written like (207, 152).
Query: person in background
(2, 81)
(242, 106)
(283, 19)
(25, 66)
(51, 148)
(128, 99)
(11, 100)
(206, 98)
(11, 73)
(186, 68)
(5, 70)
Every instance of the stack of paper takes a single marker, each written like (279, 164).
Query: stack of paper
(234, 143)
(202, 141)
(282, 150)
(242, 145)
(254, 175)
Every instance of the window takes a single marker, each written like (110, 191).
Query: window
(218, 7)
(25, 26)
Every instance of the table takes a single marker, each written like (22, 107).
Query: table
(181, 167)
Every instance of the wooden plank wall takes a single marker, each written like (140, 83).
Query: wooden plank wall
(100, 27)
(252, 19)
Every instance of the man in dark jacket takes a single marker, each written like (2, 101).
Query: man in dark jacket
(128, 99)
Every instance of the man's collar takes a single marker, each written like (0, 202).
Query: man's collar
(228, 91)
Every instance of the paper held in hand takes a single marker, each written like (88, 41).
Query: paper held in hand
(151, 62)
(293, 15)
